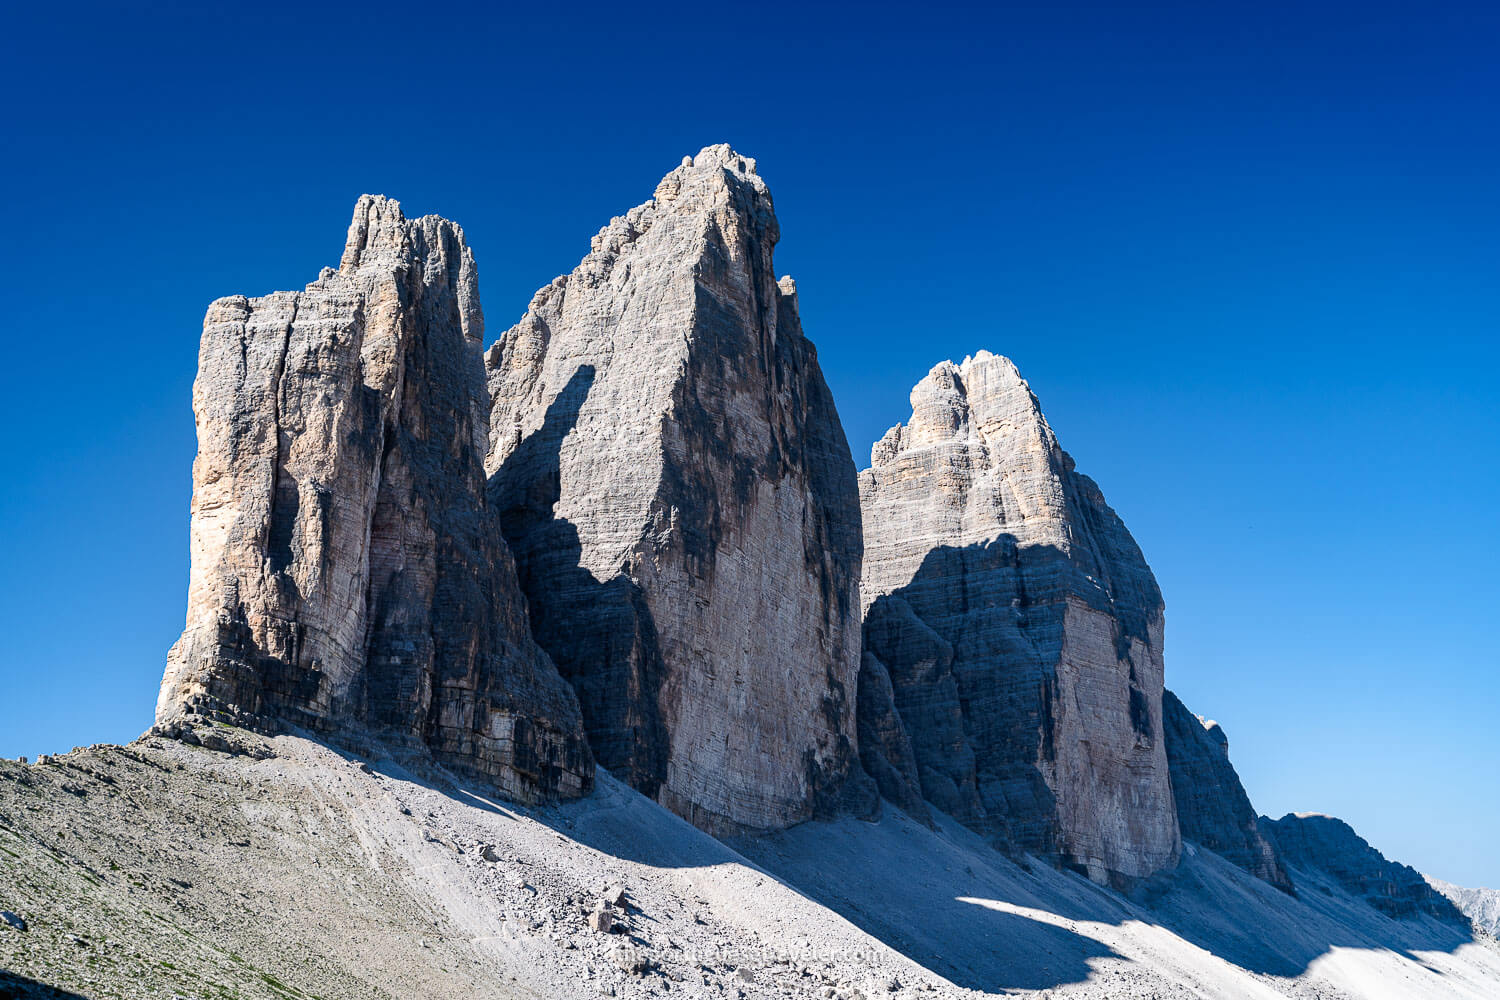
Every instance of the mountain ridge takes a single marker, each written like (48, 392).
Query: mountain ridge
(592, 658)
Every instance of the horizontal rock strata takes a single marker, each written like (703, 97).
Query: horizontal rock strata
(678, 491)
(1020, 630)
(346, 571)
(1329, 845)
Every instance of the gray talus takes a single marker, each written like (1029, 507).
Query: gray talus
(678, 491)
(1212, 807)
(1019, 629)
(346, 572)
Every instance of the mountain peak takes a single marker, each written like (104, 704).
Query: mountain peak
(672, 476)
(378, 227)
(992, 568)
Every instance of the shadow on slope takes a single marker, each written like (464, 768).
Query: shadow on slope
(935, 929)
(937, 932)
(1248, 923)
(14, 987)
(955, 906)
(947, 900)
(968, 644)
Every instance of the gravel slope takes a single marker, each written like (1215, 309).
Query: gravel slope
(167, 870)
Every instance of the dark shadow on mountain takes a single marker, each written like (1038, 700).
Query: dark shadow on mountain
(1248, 923)
(944, 898)
(970, 644)
(14, 987)
(921, 918)
(957, 908)
(600, 634)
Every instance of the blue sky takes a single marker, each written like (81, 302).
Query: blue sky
(1246, 254)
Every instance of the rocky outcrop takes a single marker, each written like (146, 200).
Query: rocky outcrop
(1481, 906)
(346, 572)
(679, 494)
(1020, 629)
(1212, 807)
(1311, 841)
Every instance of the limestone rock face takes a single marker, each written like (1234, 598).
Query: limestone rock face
(1330, 846)
(346, 572)
(1020, 628)
(679, 494)
(885, 747)
(1212, 807)
(1481, 906)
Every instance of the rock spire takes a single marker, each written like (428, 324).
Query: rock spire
(1018, 628)
(347, 574)
(675, 483)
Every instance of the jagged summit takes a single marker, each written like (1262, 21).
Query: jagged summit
(1018, 627)
(943, 392)
(717, 184)
(672, 475)
(379, 228)
(346, 575)
(717, 160)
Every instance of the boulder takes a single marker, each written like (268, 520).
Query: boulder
(602, 918)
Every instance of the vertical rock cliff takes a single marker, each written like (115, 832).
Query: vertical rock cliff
(678, 491)
(346, 572)
(1212, 807)
(1018, 628)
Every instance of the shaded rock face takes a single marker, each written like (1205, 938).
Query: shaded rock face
(1330, 846)
(675, 483)
(346, 572)
(1019, 627)
(1212, 807)
(885, 747)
